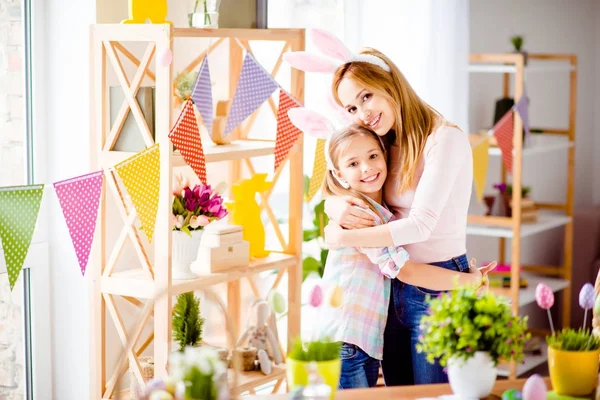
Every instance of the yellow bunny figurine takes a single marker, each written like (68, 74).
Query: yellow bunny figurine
(142, 10)
(245, 212)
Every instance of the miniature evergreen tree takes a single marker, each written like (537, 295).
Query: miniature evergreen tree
(187, 323)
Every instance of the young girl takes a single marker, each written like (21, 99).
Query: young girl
(428, 188)
(356, 163)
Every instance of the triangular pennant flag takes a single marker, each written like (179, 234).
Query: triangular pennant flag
(287, 133)
(186, 137)
(79, 199)
(202, 95)
(140, 174)
(522, 108)
(480, 165)
(254, 87)
(19, 208)
(503, 131)
(319, 168)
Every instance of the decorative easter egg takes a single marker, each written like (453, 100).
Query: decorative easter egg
(316, 296)
(166, 58)
(155, 384)
(335, 295)
(276, 301)
(544, 296)
(512, 394)
(586, 296)
(535, 388)
(161, 395)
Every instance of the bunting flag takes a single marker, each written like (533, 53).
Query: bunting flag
(140, 174)
(287, 133)
(19, 208)
(319, 168)
(254, 87)
(480, 165)
(522, 107)
(79, 199)
(186, 137)
(202, 95)
(503, 131)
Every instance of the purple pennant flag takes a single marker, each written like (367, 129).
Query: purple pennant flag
(79, 199)
(522, 108)
(202, 95)
(254, 87)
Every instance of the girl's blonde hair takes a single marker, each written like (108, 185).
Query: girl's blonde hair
(415, 119)
(337, 144)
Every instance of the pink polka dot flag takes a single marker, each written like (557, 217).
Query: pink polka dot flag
(287, 133)
(186, 137)
(79, 199)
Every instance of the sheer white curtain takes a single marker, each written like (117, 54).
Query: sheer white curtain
(427, 39)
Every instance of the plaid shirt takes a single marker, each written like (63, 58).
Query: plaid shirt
(364, 275)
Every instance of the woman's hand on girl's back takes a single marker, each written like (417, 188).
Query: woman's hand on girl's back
(343, 211)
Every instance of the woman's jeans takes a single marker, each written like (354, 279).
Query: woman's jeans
(359, 370)
(402, 364)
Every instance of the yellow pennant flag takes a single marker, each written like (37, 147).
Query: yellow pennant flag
(480, 165)
(319, 167)
(141, 176)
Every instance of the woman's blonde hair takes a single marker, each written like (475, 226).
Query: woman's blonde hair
(337, 144)
(415, 119)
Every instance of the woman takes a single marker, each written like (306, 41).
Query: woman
(430, 172)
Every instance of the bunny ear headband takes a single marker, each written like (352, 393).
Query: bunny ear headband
(335, 54)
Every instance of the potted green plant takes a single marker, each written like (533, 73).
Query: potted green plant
(470, 333)
(187, 322)
(205, 14)
(517, 42)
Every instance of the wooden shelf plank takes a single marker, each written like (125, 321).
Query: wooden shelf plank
(252, 379)
(527, 295)
(236, 150)
(133, 283)
(537, 144)
(545, 221)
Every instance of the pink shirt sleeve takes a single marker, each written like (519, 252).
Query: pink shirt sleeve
(445, 153)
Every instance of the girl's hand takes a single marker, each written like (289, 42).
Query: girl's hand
(342, 210)
(480, 275)
(333, 236)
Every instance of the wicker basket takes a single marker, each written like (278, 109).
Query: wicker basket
(147, 364)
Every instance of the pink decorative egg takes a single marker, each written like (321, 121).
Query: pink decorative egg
(586, 297)
(535, 388)
(166, 58)
(316, 296)
(544, 296)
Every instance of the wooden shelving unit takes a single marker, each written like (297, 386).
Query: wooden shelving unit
(150, 286)
(551, 215)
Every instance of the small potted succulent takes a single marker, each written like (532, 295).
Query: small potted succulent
(517, 42)
(471, 333)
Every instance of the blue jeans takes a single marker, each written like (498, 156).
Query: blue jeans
(402, 364)
(359, 370)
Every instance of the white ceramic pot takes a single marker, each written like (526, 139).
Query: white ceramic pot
(473, 378)
(184, 253)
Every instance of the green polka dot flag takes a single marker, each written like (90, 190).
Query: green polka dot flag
(19, 207)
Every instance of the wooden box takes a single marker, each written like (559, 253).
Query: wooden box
(221, 259)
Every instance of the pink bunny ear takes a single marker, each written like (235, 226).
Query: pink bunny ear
(330, 45)
(307, 62)
(310, 122)
(339, 110)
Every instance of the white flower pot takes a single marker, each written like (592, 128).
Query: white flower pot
(184, 253)
(473, 378)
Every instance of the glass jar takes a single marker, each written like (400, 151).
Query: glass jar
(204, 14)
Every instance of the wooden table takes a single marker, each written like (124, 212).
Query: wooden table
(407, 392)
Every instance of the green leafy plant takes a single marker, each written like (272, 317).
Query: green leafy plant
(461, 322)
(184, 84)
(320, 350)
(517, 42)
(202, 373)
(573, 340)
(187, 322)
(508, 189)
(311, 264)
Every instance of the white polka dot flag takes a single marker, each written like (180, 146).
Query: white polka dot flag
(79, 199)
(319, 168)
(19, 208)
(255, 86)
(503, 131)
(287, 133)
(186, 137)
(140, 174)
(202, 95)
